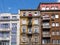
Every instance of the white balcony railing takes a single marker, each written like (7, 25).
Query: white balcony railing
(2, 38)
(5, 29)
(46, 26)
(46, 17)
(46, 35)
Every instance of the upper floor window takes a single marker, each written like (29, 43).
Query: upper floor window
(53, 24)
(47, 8)
(24, 13)
(24, 28)
(53, 16)
(23, 21)
(52, 8)
(23, 37)
(14, 17)
(43, 8)
(36, 30)
(5, 17)
(56, 16)
(14, 24)
(53, 33)
(36, 39)
(36, 21)
(5, 25)
(45, 41)
(56, 41)
(57, 24)
(30, 30)
(56, 7)
(4, 34)
(36, 13)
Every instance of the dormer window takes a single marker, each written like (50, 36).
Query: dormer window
(56, 7)
(43, 8)
(24, 13)
(52, 8)
(47, 8)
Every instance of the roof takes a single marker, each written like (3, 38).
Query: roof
(50, 3)
(29, 10)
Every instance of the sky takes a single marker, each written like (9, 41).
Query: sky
(12, 6)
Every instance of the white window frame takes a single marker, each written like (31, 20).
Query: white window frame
(43, 8)
(23, 21)
(36, 21)
(52, 8)
(56, 16)
(53, 24)
(57, 24)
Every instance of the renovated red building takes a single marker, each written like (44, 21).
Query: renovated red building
(49, 6)
(50, 23)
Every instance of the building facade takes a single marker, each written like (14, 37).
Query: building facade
(9, 29)
(50, 20)
(30, 27)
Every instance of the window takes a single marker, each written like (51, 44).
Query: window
(36, 14)
(5, 25)
(56, 8)
(57, 24)
(4, 42)
(53, 16)
(14, 24)
(53, 24)
(45, 41)
(23, 37)
(47, 8)
(29, 30)
(43, 8)
(5, 17)
(23, 28)
(36, 39)
(13, 43)
(52, 8)
(36, 30)
(14, 34)
(56, 41)
(4, 34)
(24, 13)
(14, 17)
(53, 33)
(57, 33)
(56, 16)
(23, 21)
(36, 21)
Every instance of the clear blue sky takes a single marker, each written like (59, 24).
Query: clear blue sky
(12, 6)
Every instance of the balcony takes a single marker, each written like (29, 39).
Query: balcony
(3, 38)
(29, 23)
(36, 32)
(6, 19)
(46, 27)
(5, 29)
(46, 18)
(29, 33)
(46, 35)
